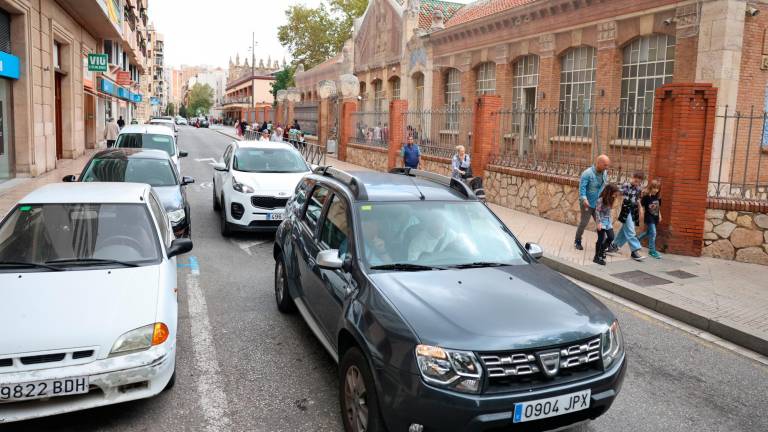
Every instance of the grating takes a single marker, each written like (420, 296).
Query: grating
(641, 278)
(680, 274)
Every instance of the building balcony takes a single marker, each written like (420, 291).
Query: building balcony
(103, 20)
(242, 102)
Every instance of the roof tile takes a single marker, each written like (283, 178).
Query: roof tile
(484, 8)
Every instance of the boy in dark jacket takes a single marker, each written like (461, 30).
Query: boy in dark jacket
(630, 212)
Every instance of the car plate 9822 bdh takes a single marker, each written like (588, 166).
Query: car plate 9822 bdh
(43, 389)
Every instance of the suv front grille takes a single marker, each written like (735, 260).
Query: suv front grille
(268, 202)
(524, 370)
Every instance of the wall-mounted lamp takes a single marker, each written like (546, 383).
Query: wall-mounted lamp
(542, 95)
(47, 68)
(752, 11)
(602, 92)
(670, 21)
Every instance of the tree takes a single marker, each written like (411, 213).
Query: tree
(283, 80)
(313, 35)
(170, 109)
(183, 110)
(200, 99)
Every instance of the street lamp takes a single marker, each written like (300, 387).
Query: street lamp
(253, 67)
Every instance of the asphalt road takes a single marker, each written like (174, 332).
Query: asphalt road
(243, 366)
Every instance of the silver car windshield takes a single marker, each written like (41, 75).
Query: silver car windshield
(429, 233)
(65, 235)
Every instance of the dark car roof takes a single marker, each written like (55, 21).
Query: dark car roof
(131, 153)
(381, 186)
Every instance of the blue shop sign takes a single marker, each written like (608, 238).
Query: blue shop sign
(9, 65)
(107, 87)
(136, 98)
(123, 93)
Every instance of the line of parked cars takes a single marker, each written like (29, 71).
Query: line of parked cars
(89, 302)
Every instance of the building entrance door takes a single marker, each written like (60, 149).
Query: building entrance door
(57, 108)
(528, 122)
(90, 121)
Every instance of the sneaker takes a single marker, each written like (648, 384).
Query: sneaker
(577, 245)
(636, 256)
(655, 254)
(599, 260)
(612, 249)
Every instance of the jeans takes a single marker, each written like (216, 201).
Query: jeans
(650, 232)
(604, 239)
(586, 215)
(627, 235)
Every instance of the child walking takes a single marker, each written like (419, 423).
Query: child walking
(629, 217)
(651, 202)
(603, 219)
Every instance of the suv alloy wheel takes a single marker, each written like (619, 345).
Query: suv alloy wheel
(359, 402)
(282, 296)
(216, 204)
(226, 229)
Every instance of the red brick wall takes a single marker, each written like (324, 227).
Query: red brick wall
(484, 132)
(397, 109)
(346, 126)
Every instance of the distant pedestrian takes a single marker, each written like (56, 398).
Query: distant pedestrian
(603, 221)
(411, 154)
(243, 127)
(111, 132)
(300, 140)
(264, 136)
(121, 122)
(277, 135)
(237, 127)
(630, 212)
(264, 127)
(461, 165)
(377, 133)
(651, 203)
(590, 185)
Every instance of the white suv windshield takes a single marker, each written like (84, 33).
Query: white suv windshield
(70, 235)
(434, 234)
(147, 141)
(268, 160)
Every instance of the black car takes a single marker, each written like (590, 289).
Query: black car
(439, 318)
(153, 167)
(203, 122)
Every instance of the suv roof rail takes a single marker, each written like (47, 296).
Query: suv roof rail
(458, 186)
(354, 184)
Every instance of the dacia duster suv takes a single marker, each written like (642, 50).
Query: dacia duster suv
(439, 318)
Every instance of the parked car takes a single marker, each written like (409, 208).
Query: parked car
(89, 303)
(153, 167)
(181, 120)
(203, 122)
(167, 122)
(150, 137)
(252, 183)
(439, 319)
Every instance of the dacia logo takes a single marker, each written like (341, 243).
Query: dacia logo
(550, 363)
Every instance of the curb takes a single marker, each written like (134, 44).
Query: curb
(627, 291)
(227, 135)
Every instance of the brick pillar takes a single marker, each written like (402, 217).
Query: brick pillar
(290, 113)
(397, 109)
(683, 126)
(483, 133)
(607, 96)
(322, 121)
(346, 126)
(279, 113)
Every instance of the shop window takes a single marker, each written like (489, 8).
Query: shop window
(486, 79)
(577, 83)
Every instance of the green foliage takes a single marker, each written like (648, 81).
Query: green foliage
(283, 80)
(170, 109)
(313, 35)
(183, 110)
(200, 99)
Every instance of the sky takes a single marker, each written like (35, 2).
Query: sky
(209, 32)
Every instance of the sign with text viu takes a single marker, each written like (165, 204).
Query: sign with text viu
(97, 62)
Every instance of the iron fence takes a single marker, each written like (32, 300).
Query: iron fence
(371, 128)
(439, 131)
(313, 153)
(740, 156)
(307, 115)
(564, 141)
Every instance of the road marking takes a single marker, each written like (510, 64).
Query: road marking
(213, 400)
(209, 160)
(205, 185)
(247, 245)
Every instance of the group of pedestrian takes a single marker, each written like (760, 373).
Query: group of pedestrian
(112, 130)
(597, 197)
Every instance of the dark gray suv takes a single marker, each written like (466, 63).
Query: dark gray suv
(439, 318)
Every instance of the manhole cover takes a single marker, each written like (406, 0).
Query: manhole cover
(641, 278)
(680, 274)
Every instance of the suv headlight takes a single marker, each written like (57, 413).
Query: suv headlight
(140, 339)
(241, 187)
(613, 344)
(176, 216)
(454, 370)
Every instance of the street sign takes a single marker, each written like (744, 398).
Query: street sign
(97, 62)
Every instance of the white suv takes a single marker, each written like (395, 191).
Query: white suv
(89, 304)
(253, 182)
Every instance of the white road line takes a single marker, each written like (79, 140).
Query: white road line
(209, 160)
(213, 400)
(247, 245)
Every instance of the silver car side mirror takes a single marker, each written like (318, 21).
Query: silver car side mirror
(218, 166)
(329, 260)
(534, 250)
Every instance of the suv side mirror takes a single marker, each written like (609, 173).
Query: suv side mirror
(179, 246)
(534, 250)
(219, 166)
(183, 154)
(69, 179)
(187, 180)
(329, 260)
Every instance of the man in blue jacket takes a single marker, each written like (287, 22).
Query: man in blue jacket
(591, 183)
(411, 154)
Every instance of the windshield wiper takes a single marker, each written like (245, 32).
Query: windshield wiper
(405, 267)
(28, 264)
(90, 261)
(480, 264)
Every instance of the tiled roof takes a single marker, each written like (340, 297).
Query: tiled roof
(484, 8)
(429, 6)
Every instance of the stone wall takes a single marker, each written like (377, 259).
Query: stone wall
(736, 235)
(374, 158)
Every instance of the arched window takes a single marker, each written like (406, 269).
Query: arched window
(418, 84)
(486, 79)
(394, 87)
(363, 96)
(524, 87)
(378, 96)
(649, 62)
(452, 93)
(577, 82)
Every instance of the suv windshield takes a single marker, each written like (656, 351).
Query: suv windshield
(155, 172)
(69, 235)
(147, 141)
(434, 234)
(268, 160)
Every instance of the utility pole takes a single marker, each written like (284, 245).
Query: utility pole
(253, 69)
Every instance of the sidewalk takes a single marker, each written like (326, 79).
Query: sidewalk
(14, 190)
(726, 298)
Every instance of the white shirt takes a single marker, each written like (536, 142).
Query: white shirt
(424, 242)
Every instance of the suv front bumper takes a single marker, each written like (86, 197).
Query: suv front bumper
(405, 399)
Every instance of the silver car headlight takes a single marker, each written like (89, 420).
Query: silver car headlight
(177, 216)
(451, 369)
(140, 339)
(613, 345)
(241, 187)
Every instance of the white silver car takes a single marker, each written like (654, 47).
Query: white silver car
(151, 136)
(253, 182)
(88, 308)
